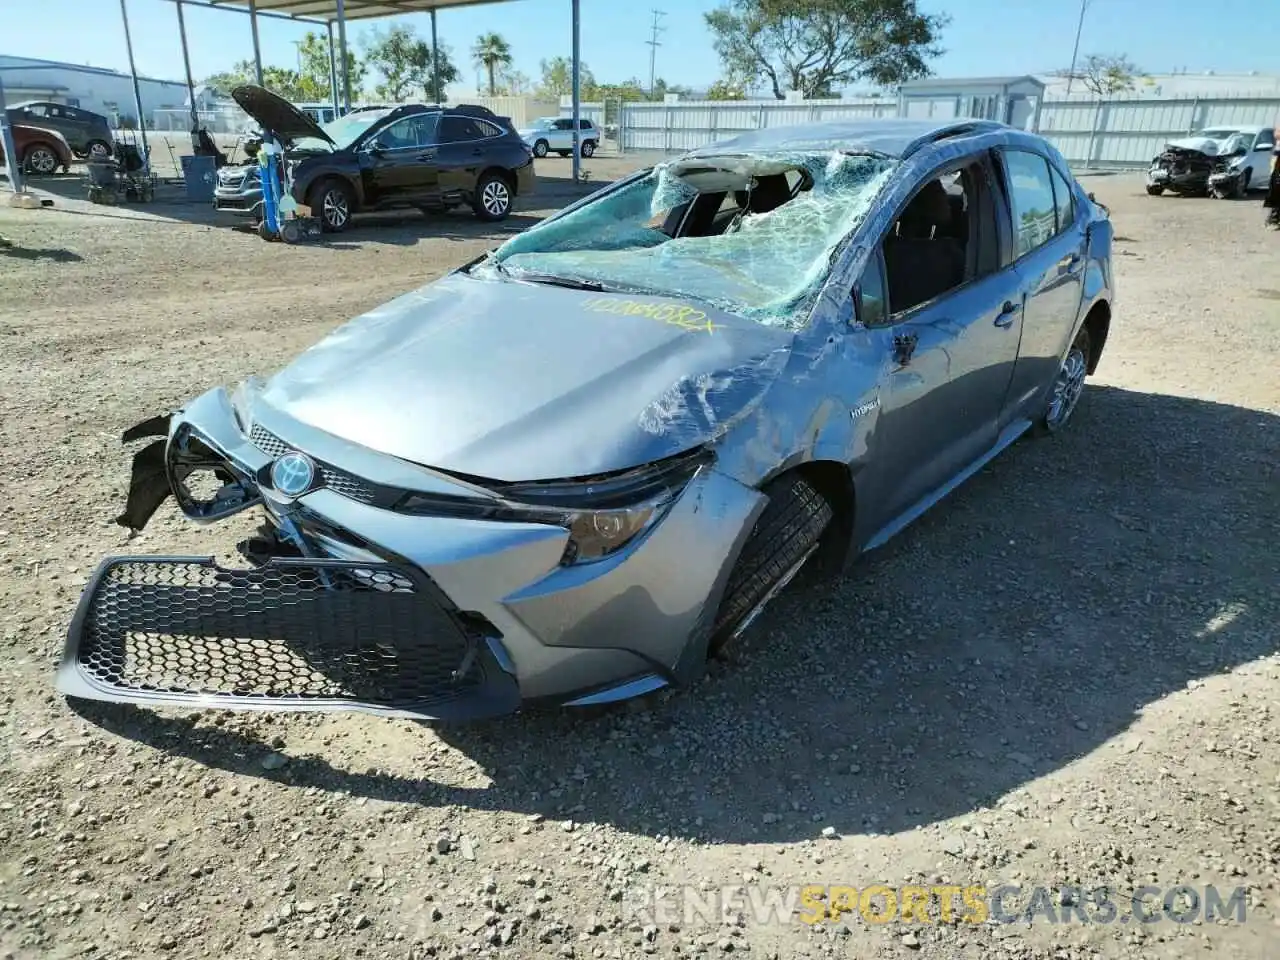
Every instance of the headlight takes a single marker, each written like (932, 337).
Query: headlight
(601, 514)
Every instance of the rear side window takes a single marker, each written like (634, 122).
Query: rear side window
(1035, 213)
(458, 129)
(1064, 199)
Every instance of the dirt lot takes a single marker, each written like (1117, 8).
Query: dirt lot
(1066, 675)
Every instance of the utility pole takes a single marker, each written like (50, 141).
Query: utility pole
(654, 43)
(1075, 51)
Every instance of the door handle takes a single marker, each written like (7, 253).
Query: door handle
(1007, 313)
(477, 152)
(429, 155)
(1071, 263)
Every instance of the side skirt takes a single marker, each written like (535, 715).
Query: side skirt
(1010, 433)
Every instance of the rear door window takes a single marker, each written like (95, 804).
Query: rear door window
(1064, 199)
(1035, 212)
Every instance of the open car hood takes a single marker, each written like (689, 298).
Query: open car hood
(277, 115)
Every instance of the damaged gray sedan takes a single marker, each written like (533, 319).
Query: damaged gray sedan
(573, 469)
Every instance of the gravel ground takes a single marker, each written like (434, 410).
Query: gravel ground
(1066, 675)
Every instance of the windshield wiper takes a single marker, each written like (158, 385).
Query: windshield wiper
(553, 280)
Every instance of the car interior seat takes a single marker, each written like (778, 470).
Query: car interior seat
(922, 258)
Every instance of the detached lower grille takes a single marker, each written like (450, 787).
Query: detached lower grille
(339, 481)
(291, 634)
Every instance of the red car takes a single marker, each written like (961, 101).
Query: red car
(42, 151)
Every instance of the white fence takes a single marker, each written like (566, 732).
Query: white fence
(1089, 132)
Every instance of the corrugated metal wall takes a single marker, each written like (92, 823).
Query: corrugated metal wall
(1092, 133)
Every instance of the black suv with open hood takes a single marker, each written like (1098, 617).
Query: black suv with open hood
(413, 155)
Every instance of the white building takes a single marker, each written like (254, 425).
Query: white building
(108, 92)
(1206, 85)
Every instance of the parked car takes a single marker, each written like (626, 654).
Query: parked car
(41, 151)
(555, 135)
(88, 133)
(1224, 161)
(573, 468)
(415, 155)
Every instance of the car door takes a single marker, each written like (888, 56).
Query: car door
(947, 364)
(465, 147)
(1260, 158)
(1048, 254)
(398, 163)
(562, 136)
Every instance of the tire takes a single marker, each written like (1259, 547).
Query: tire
(786, 535)
(588, 148)
(330, 200)
(562, 153)
(492, 200)
(540, 149)
(1064, 394)
(98, 151)
(1154, 189)
(1242, 189)
(41, 160)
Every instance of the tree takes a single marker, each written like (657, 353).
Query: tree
(557, 77)
(449, 73)
(314, 54)
(492, 53)
(726, 90)
(816, 46)
(405, 63)
(226, 81)
(1105, 75)
(513, 83)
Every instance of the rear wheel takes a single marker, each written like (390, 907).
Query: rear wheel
(784, 538)
(99, 151)
(588, 148)
(1068, 385)
(493, 197)
(330, 200)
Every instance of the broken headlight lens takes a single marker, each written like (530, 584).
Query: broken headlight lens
(602, 514)
(595, 535)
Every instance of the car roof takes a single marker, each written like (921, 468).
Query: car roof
(891, 136)
(1238, 127)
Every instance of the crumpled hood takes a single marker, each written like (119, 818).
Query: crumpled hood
(1209, 148)
(519, 382)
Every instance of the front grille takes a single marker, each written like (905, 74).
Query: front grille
(339, 481)
(290, 632)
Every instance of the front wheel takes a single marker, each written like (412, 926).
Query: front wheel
(540, 149)
(493, 197)
(784, 538)
(1068, 386)
(41, 160)
(1154, 189)
(1242, 185)
(330, 200)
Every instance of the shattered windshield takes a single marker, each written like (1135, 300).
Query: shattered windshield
(752, 235)
(343, 131)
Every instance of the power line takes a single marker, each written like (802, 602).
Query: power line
(654, 43)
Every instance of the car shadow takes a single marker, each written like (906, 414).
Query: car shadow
(1022, 625)
(56, 254)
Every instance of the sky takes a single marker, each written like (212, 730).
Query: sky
(984, 38)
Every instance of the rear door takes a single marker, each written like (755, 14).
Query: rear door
(1048, 256)
(466, 148)
(400, 165)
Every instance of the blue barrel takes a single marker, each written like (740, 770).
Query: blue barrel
(200, 175)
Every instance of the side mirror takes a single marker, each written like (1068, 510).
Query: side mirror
(1265, 147)
(376, 146)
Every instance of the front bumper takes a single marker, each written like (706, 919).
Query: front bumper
(488, 617)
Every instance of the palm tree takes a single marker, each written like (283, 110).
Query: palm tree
(491, 52)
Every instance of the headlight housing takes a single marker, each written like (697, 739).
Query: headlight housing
(602, 514)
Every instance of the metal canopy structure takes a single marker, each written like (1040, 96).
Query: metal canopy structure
(331, 13)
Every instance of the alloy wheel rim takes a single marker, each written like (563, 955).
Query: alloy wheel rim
(1067, 388)
(43, 161)
(496, 197)
(99, 151)
(335, 208)
(540, 149)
